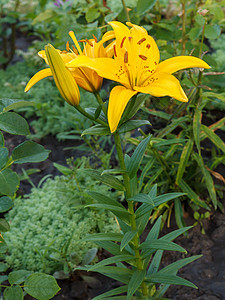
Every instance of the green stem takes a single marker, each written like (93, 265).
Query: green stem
(100, 101)
(183, 26)
(126, 179)
(126, 10)
(87, 115)
(202, 40)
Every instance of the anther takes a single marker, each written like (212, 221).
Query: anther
(95, 38)
(142, 57)
(75, 50)
(126, 57)
(141, 41)
(130, 38)
(121, 45)
(63, 52)
(114, 49)
(67, 46)
(148, 46)
(82, 41)
(89, 42)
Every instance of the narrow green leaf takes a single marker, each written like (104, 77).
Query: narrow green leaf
(214, 138)
(135, 282)
(184, 160)
(144, 172)
(5, 204)
(133, 124)
(13, 123)
(137, 157)
(41, 286)
(217, 125)
(111, 247)
(113, 171)
(2, 141)
(214, 95)
(29, 152)
(96, 130)
(9, 182)
(144, 198)
(192, 195)
(169, 279)
(154, 232)
(174, 124)
(128, 236)
(174, 234)
(18, 105)
(161, 245)
(196, 127)
(179, 213)
(89, 256)
(116, 291)
(106, 179)
(111, 260)
(13, 292)
(114, 270)
(112, 208)
(3, 157)
(174, 267)
(155, 263)
(145, 207)
(104, 199)
(103, 237)
(208, 179)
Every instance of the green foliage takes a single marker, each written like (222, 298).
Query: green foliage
(47, 226)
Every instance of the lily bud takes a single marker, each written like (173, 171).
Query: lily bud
(63, 78)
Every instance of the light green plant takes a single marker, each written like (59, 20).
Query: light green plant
(51, 219)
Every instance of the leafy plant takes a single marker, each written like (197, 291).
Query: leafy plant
(47, 226)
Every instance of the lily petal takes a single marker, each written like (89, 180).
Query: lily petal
(105, 67)
(119, 97)
(163, 84)
(177, 63)
(37, 77)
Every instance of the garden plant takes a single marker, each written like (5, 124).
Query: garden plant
(124, 65)
(135, 65)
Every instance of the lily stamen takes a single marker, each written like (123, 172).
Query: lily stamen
(67, 46)
(141, 41)
(114, 49)
(126, 57)
(122, 42)
(142, 56)
(95, 38)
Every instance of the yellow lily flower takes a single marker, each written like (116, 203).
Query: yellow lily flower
(63, 78)
(136, 66)
(86, 78)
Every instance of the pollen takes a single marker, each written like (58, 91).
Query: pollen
(130, 38)
(114, 49)
(126, 57)
(68, 46)
(95, 38)
(82, 41)
(122, 42)
(141, 41)
(142, 57)
(63, 52)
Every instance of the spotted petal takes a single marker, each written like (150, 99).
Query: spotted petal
(37, 77)
(163, 84)
(105, 67)
(177, 63)
(119, 97)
